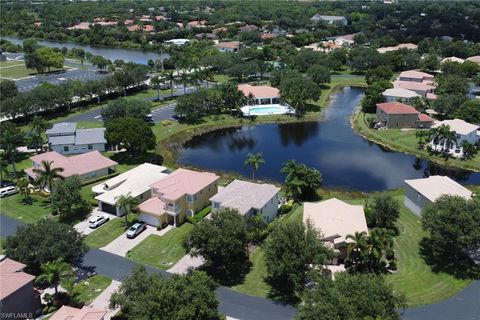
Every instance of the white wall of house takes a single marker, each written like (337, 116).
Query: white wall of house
(149, 219)
(76, 149)
(414, 201)
(454, 147)
(224, 49)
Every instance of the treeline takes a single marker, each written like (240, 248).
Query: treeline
(48, 97)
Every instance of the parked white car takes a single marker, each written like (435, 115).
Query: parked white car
(97, 221)
(136, 229)
(8, 191)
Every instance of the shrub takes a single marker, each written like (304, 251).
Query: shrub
(200, 215)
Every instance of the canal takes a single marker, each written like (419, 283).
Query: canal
(345, 159)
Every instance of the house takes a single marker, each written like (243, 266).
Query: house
(394, 94)
(394, 115)
(209, 36)
(464, 132)
(345, 40)
(85, 166)
(230, 46)
(474, 59)
(452, 59)
(262, 94)
(182, 193)
(248, 198)
(65, 138)
(177, 42)
(17, 294)
(421, 192)
(86, 313)
(197, 24)
(267, 36)
(415, 76)
(335, 219)
(323, 46)
(248, 28)
(80, 26)
(420, 82)
(409, 46)
(135, 182)
(145, 28)
(329, 19)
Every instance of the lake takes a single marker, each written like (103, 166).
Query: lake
(345, 159)
(127, 55)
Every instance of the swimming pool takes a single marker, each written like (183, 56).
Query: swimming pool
(261, 110)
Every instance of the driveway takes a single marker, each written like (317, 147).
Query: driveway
(122, 244)
(83, 227)
(103, 300)
(186, 263)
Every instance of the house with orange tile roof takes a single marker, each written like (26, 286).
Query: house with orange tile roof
(86, 313)
(80, 26)
(229, 46)
(419, 82)
(177, 196)
(394, 115)
(86, 166)
(262, 94)
(17, 294)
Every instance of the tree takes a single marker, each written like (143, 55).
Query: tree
(383, 212)
(256, 228)
(379, 73)
(373, 95)
(469, 151)
(53, 272)
(297, 91)
(46, 174)
(8, 89)
(133, 134)
(49, 58)
(301, 181)
(148, 295)
(128, 203)
(11, 138)
(468, 111)
(453, 225)
(319, 74)
(289, 251)
(38, 127)
(121, 108)
(356, 251)
(23, 186)
(431, 63)
(46, 240)
(222, 242)
(351, 297)
(100, 62)
(3, 165)
(157, 81)
(255, 161)
(67, 200)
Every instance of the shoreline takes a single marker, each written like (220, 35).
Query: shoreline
(357, 128)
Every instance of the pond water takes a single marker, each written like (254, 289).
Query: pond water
(345, 159)
(127, 55)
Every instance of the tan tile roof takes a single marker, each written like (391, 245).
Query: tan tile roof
(474, 59)
(228, 44)
(86, 313)
(183, 181)
(435, 186)
(458, 125)
(153, 206)
(259, 91)
(412, 85)
(12, 277)
(335, 218)
(415, 74)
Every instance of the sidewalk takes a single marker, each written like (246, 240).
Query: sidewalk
(103, 300)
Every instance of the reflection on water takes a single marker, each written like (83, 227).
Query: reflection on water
(345, 159)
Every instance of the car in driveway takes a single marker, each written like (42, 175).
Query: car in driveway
(97, 221)
(136, 229)
(6, 191)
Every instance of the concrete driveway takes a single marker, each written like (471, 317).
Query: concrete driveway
(103, 300)
(186, 263)
(122, 244)
(82, 227)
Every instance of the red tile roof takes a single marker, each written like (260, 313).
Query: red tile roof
(228, 44)
(259, 91)
(424, 118)
(12, 277)
(396, 108)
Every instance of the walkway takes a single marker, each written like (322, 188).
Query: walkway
(102, 302)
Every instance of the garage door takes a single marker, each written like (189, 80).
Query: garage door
(108, 208)
(151, 220)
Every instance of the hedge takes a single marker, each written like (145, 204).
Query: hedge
(200, 215)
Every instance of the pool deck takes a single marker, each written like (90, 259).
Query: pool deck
(256, 110)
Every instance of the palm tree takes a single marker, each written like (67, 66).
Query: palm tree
(11, 139)
(356, 249)
(421, 135)
(450, 137)
(53, 272)
(3, 165)
(254, 160)
(156, 82)
(39, 125)
(47, 173)
(23, 186)
(128, 203)
(170, 77)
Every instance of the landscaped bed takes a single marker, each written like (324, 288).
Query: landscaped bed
(162, 251)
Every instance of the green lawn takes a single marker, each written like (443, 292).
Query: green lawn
(16, 70)
(254, 283)
(87, 290)
(108, 232)
(414, 277)
(221, 78)
(162, 252)
(13, 206)
(405, 141)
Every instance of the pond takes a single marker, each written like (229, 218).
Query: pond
(345, 159)
(127, 55)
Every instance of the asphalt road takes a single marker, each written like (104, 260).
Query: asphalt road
(465, 305)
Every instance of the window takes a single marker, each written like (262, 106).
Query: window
(190, 213)
(418, 196)
(216, 205)
(190, 198)
(65, 149)
(90, 147)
